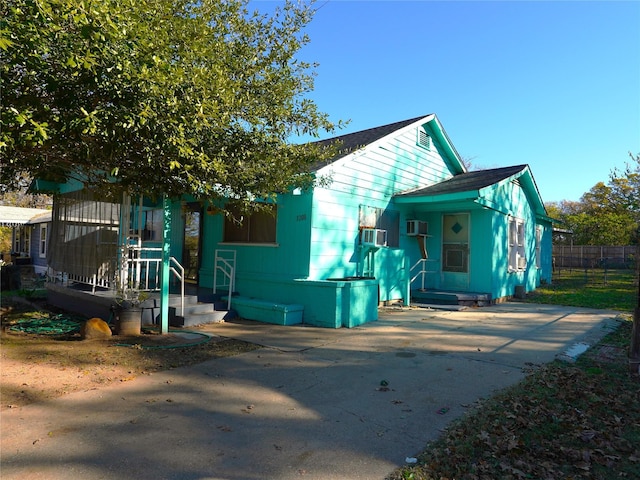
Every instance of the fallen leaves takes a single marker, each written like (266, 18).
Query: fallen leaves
(577, 421)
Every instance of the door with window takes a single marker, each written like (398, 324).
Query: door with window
(191, 243)
(455, 251)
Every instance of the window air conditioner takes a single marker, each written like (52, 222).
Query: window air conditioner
(522, 263)
(416, 227)
(373, 237)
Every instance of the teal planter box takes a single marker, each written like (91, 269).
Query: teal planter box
(267, 312)
(358, 300)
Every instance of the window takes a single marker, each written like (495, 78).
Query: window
(16, 240)
(43, 240)
(153, 225)
(424, 140)
(254, 227)
(27, 241)
(517, 258)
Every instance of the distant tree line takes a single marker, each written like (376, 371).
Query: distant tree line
(608, 214)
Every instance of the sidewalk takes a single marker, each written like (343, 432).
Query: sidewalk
(313, 403)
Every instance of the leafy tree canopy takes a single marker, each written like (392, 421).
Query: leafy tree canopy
(608, 214)
(162, 96)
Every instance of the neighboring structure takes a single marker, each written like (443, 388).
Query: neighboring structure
(397, 217)
(29, 227)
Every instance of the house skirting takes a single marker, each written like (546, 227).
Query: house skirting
(327, 303)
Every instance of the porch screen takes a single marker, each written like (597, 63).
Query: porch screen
(83, 241)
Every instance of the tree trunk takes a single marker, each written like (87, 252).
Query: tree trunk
(634, 350)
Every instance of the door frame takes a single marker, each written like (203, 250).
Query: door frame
(452, 279)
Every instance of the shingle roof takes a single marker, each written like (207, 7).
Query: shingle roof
(15, 216)
(351, 142)
(466, 182)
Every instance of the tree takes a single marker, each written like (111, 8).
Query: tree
(605, 215)
(627, 185)
(157, 96)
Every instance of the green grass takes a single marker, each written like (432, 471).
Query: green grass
(563, 421)
(615, 291)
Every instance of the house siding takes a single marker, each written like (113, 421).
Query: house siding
(369, 178)
(514, 201)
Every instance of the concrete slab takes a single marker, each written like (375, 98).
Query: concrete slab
(313, 403)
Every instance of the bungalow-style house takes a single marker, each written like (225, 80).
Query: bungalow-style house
(397, 218)
(25, 260)
(28, 236)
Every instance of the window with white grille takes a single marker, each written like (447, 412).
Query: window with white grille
(43, 240)
(517, 257)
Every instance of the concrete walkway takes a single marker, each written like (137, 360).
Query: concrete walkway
(314, 403)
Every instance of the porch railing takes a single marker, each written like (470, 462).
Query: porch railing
(140, 271)
(420, 269)
(143, 271)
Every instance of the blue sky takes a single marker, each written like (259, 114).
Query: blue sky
(555, 85)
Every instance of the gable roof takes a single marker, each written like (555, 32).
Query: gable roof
(352, 142)
(467, 182)
(475, 186)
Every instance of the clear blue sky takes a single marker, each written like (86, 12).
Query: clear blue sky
(555, 85)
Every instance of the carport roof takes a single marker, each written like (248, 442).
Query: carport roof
(16, 216)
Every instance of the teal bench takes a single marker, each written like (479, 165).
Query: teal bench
(266, 311)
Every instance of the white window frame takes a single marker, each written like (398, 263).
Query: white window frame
(516, 240)
(42, 251)
(27, 241)
(16, 240)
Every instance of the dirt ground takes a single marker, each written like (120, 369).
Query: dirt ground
(40, 366)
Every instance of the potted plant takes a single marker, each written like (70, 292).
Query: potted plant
(129, 310)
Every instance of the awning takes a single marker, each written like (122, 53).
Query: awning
(16, 216)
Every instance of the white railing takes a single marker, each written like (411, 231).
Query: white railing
(225, 266)
(423, 272)
(144, 272)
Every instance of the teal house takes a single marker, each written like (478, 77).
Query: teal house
(395, 218)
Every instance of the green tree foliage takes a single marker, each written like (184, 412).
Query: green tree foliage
(608, 214)
(162, 96)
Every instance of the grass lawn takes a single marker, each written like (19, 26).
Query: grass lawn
(595, 288)
(564, 421)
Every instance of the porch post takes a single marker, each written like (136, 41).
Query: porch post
(166, 259)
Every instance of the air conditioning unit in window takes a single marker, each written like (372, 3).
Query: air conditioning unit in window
(373, 237)
(416, 227)
(522, 263)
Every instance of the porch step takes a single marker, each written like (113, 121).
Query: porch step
(197, 313)
(438, 297)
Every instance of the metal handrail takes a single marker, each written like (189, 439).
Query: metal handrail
(422, 262)
(227, 267)
(181, 278)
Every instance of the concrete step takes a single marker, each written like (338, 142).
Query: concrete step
(195, 312)
(439, 297)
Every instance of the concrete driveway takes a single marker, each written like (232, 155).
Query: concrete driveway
(314, 403)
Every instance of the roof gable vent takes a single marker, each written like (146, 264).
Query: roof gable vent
(424, 140)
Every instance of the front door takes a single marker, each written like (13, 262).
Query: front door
(455, 251)
(191, 243)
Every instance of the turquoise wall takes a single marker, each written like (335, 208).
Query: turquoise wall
(286, 259)
(370, 180)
